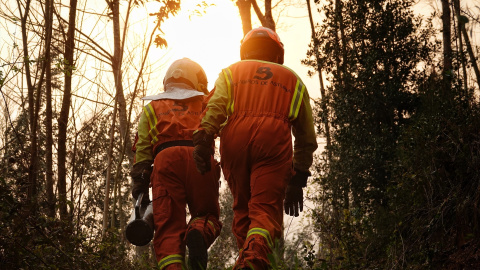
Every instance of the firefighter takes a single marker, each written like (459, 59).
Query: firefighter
(165, 141)
(256, 106)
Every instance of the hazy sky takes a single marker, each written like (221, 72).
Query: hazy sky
(213, 40)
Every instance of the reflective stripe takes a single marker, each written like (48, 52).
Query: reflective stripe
(152, 121)
(175, 258)
(213, 226)
(296, 100)
(229, 78)
(150, 113)
(209, 222)
(263, 233)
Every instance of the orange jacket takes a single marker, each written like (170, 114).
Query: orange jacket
(257, 88)
(167, 120)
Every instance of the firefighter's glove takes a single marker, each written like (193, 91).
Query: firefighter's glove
(203, 151)
(293, 200)
(293, 203)
(141, 179)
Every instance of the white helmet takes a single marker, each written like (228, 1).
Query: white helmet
(187, 72)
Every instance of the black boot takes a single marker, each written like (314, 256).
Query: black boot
(197, 251)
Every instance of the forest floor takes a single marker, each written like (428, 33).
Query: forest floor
(465, 257)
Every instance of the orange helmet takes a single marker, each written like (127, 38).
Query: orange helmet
(189, 72)
(262, 43)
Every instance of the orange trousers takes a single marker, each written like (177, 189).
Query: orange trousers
(257, 163)
(176, 183)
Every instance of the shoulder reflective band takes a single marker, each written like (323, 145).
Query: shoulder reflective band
(229, 78)
(175, 258)
(296, 100)
(152, 121)
(263, 233)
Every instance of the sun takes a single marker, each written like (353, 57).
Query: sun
(211, 38)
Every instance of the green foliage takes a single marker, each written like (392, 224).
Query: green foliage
(38, 242)
(371, 52)
(14, 165)
(438, 174)
(167, 8)
(67, 68)
(401, 187)
(32, 240)
(291, 257)
(223, 252)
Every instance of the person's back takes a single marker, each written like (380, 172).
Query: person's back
(165, 139)
(174, 120)
(257, 104)
(267, 96)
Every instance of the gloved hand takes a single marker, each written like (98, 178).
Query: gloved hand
(141, 179)
(293, 203)
(293, 200)
(203, 151)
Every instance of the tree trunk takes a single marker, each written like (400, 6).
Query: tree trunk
(26, 59)
(337, 46)
(106, 201)
(121, 103)
(49, 115)
(269, 22)
(266, 20)
(32, 176)
(72, 178)
(117, 69)
(460, 25)
(323, 103)
(447, 44)
(34, 99)
(473, 59)
(80, 192)
(343, 46)
(340, 199)
(64, 113)
(245, 14)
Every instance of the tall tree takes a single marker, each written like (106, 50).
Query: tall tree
(120, 103)
(319, 70)
(462, 20)
(34, 86)
(118, 44)
(244, 8)
(266, 17)
(49, 115)
(370, 50)
(32, 177)
(447, 45)
(69, 67)
(168, 8)
(460, 25)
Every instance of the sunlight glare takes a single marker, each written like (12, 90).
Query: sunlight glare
(211, 39)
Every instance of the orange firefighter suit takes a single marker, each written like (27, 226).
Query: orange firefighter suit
(165, 137)
(256, 106)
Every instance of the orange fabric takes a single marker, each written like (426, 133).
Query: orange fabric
(256, 151)
(176, 184)
(175, 181)
(177, 119)
(167, 120)
(254, 254)
(257, 164)
(267, 91)
(208, 225)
